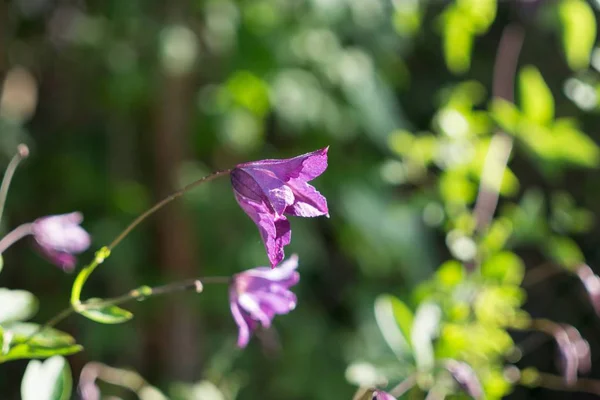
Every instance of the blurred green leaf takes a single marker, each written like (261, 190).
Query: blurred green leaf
(450, 273)
(16, 305)
(575, 146)
(505, 114)
(48, 380)
(504, 268)
(481, 13)
(579, 31)
(565, 252)
(106, 314)
(424, 330)
(458, 40)
(28, 351)
(457, 188)
(537, 102)
(395, 320)
(1, 262)
(49, 337)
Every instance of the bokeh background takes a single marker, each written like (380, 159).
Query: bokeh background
(123, 101)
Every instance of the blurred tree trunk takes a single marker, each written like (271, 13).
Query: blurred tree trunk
(179, 351)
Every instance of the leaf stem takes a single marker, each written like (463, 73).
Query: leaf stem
(105, 251)
(22, 153)
(15, 235)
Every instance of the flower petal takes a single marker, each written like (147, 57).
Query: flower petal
(66, 261)
(61, 233)
(244, 328)
(308, 202)
(305, 167)
(260, 185)
(275, 231)
(285, 274)
(380, 395)
(250, 304)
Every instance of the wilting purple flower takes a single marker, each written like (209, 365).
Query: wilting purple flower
(381, 395)
(258, 294)
(268, 190)
(60, 237)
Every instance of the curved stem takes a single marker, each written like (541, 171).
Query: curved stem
(104, 252)
(15, 235)
(22, 153)
(404, 386)
(136, 294)
(501, 144)
(555, 382)
(162, 203)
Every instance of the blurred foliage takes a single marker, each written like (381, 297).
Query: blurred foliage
(109, 94)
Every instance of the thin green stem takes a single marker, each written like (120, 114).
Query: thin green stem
(22, 153)
(404, 386)
(142, 292)
(163, 202)
(13, 236)
(104, 252)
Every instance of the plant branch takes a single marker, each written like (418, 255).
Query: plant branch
(501, 144)
(404, 386)
(105, 251)
(15, 235)
(555, 382)
(22, 153)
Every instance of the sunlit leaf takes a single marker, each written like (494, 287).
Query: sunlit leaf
(27, 351)
(457, 188)
(48, 337)
(575, 146)
(424, 330)
(458, 41)
(395, 320)
(504, 268)
(106, 314)
(16, 305)
(48, 380)
(450, 273)
(565, 252)
(537, 102)
(505, 114)
(481, 13)
(579, 31)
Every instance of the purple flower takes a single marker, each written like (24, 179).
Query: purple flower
(381, 395)
(258, 294)
(59, 237)
(268, 190)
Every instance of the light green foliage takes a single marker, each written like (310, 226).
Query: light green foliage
(461, 23)
(579, 31)
(105, 314)
(537, 102)
(48, 380)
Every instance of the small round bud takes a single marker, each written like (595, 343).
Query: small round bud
(23, 150)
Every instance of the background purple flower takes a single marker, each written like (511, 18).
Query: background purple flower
(381, 395)
(258, 294)
(59, 238)
(268, 190)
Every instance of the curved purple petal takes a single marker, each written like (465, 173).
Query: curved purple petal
(244, 327)
(305, 167)
(275, 231)
(308, 202)
(61, 233)
(260, 186)
(285, 275)
(66, 261)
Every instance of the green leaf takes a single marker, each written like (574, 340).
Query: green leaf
(450, 273)
(504, 268)
(28, 351)
(1, 262)
(481, 13)
(424, 330)
(565, 252)
(19, 332)
(395, 320)
(106, 314)
(16, 305)
(505, 114)
(458, 40)
(537, 102)
(48, 380)
(575, 146)
(579, 32)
